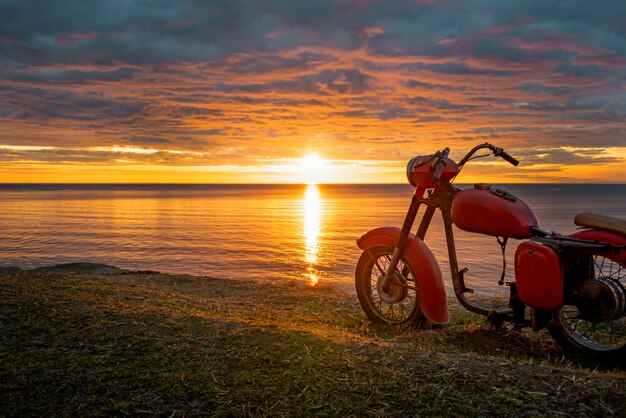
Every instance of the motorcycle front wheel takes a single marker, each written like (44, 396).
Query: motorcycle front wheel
(400, 303)
(596, 323)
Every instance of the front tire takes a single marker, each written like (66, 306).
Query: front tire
(400, 304)
(595, 325)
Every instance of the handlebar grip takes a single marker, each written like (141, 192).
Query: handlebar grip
(438, 170)
(440, 164)
(508, 158)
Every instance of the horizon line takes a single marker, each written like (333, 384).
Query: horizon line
(294, 184)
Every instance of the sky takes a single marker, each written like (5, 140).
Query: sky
(234, 91)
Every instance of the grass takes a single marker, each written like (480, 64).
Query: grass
(163, 345)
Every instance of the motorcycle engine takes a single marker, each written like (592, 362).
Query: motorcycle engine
(600, 299)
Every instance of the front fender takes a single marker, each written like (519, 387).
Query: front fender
(432, 293)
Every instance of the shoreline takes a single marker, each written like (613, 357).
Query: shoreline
(150, 343)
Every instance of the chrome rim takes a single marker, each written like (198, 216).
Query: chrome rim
(400, 301)
(600, 332)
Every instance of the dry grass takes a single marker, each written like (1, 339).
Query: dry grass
(160, 345)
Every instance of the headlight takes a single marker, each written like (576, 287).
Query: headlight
(416, 162)
(409, 169)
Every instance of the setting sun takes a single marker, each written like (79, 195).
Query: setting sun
(314, 167)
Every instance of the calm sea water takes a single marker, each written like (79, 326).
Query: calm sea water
(273, 232)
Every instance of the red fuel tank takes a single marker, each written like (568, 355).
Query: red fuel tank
(487, 210)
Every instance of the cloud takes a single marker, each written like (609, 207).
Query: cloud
(441, 104)
(542, 88)
(431, 119)
(72, 76)
(382, 112)
(196, 31)
(567, 156)
(433, 86)
(452, 68)
(186, 111)
(272, 62)
(146, 140)
(343, 81)
(105, 155)
(277, 76)
(38, 103)
(70, 106)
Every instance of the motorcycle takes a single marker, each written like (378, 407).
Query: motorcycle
(572, 285)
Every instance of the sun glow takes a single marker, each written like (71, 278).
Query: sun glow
(314, 168)
(312, 221)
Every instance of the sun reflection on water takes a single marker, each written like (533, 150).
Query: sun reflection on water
(312, 221)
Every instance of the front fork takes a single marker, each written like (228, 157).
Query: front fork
(403, 238)
(443, 202)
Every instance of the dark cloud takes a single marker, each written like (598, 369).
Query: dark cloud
(210, 132)
(572, 106)
(434, 86)
(36, 103)
(86, 108)
(380, 111)
(72, 76)
(452, 68)
(542, 88)
(138, 32)
(267, 63)
(99, 31)
(434, 118)
(567, 68)
(145, 140)
(343, 81)
(442, 104)
(394, 112)
(184, 111)
(456, 69)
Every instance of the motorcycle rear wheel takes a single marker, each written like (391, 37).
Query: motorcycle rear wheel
(596, 325)
(400, 304)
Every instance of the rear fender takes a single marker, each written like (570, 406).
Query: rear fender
(432, 296)
(618, 240)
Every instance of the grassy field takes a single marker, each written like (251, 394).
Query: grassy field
(162, 345)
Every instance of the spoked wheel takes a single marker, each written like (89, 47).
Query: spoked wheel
(400, 303)
(595, 324)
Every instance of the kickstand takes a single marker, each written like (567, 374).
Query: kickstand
(503, 246)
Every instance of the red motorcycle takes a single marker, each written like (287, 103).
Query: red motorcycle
(572, 285)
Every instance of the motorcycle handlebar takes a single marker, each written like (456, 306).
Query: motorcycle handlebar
(499, 152)
(440, 162)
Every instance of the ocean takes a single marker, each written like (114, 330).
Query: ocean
(254, 232)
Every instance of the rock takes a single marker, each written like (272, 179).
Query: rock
(84, 268)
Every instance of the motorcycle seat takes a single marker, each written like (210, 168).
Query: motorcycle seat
(594, 220)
